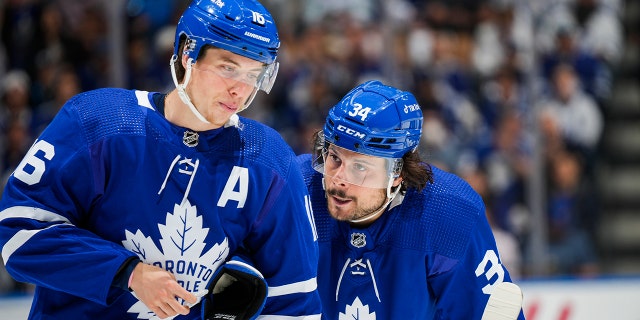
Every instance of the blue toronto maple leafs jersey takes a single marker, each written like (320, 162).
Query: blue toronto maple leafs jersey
(111, 179)
(431, 256)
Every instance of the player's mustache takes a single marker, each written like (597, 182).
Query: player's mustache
(338, 193)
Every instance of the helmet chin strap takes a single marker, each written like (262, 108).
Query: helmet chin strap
(373, 215)
(181, 87)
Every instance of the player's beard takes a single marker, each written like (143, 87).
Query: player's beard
(354, 210)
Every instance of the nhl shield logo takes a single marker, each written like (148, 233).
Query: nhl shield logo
(358, 240)
(190, 138)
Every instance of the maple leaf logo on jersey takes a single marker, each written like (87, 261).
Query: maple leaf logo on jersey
(182, 252)
(357, 311)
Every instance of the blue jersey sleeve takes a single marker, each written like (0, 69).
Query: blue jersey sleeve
(464, 290)
(44, 201)
(284, 248)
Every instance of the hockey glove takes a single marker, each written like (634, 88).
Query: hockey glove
(237, 291)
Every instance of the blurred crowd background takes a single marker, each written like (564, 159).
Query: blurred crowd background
(518, 97)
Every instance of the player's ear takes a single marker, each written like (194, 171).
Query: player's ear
(185, 59)
(397, 181)
(185, 54)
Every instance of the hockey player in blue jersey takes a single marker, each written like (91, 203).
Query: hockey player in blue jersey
(140, 205)
(398, 238)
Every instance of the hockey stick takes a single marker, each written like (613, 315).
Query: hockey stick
(504, 303)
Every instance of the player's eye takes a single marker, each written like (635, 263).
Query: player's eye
(253, 76)
(359, 167)
(334, 158)
(228, 70)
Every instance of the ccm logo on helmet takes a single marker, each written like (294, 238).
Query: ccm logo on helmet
(350, 131)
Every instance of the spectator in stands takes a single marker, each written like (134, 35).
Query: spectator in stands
(503, 37)
(64, 85)
(438, 143)
(570, 248)
(593, 73)
(15, 104)
(502, 94)
(19, 26)
(454, 89)
(569, 117)
(601, 31)
(507, 161)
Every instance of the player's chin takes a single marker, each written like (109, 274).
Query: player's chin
(219, 116)
(339, 213)
(341, 217)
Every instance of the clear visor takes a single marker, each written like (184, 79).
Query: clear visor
(356, 168)
(259, 78)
